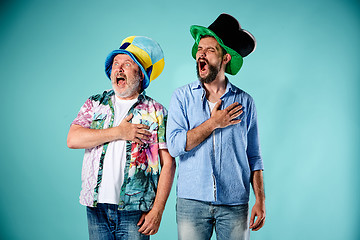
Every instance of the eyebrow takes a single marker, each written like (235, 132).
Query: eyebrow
(126, 61)
(207, 47)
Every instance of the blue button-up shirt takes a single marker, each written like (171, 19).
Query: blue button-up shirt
(217, 170)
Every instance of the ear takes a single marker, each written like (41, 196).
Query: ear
(226, 58)
(142, 75)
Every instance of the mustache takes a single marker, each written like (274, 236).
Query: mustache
(203, 59)
(120, 74)
(117, 76)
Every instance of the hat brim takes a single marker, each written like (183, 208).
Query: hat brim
(236, 61)
(110, 58)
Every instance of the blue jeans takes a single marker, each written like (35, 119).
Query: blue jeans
(196, 220)
(106, 222)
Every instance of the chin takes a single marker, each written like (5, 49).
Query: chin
(122, 94)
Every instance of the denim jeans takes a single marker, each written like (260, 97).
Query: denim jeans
(196, 220)
(106, 222)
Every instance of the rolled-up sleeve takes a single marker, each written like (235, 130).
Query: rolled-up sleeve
(177, 125)
(253, 147)
(85, 115)
(161, 116)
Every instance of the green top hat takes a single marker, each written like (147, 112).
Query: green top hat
(227, 31)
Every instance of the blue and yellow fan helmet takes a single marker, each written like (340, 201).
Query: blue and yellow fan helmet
(145, 52)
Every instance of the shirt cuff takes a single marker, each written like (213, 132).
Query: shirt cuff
(257, 165)
(162, 145)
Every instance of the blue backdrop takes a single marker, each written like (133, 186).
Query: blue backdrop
(303, 76)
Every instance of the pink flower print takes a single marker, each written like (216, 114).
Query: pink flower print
(138, 153)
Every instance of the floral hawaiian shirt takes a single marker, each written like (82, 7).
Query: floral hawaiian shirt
(142, 162)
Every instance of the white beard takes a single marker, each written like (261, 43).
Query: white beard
(128, 91)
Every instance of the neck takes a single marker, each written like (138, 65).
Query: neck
(127, 98)
(132, 96)
(216, 88)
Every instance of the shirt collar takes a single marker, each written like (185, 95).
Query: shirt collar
(142, 95)
(229, 87)
(198, 86)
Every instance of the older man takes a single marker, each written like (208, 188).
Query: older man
(123, 133)
(212, 128)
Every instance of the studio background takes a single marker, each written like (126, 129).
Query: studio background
(303, 76)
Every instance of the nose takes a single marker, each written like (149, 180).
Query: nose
(119, 67)
(201, 53)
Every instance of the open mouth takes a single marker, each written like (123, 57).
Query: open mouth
(120, 79)
(202, 63)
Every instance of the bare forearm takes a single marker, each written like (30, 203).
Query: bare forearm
(80, 137)
(166, 179)
(197, 135)
(258, 185)
(258, 212)
(150, 221)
